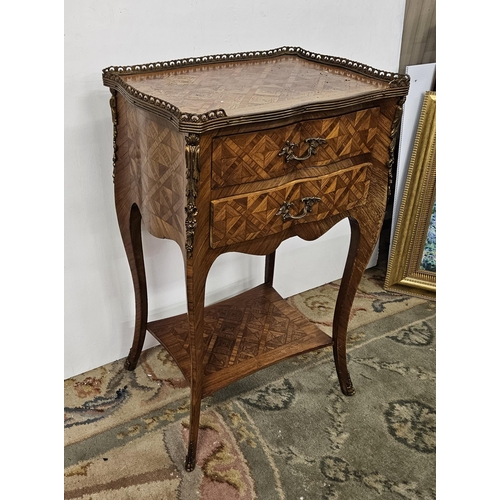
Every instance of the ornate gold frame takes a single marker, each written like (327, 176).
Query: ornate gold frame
(404, 273)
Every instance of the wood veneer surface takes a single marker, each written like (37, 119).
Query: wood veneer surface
(248, 157)
(240, 87)
(255, 215)
(241, 335)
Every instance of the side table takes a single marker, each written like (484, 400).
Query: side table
(236, 153)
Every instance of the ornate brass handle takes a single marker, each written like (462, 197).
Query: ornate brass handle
(314, 143)
(284, 210)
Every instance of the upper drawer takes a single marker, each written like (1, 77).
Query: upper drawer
(255, 156)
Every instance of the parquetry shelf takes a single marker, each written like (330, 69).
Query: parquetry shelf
(238, 152)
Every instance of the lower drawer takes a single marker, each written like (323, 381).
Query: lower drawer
(240, 218)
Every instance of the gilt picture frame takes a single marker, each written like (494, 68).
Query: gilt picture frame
(411, 266)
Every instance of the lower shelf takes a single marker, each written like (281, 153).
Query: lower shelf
(242, 335)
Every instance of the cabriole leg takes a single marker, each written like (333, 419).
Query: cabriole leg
(130, 228)
(195, 289)
(363, 241)
(269, 269)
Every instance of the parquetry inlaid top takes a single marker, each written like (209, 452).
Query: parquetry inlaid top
(199, 91)
(240, 86)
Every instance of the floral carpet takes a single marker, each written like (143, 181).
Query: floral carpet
(284, 433)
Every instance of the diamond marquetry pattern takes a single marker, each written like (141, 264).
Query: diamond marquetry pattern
(250, 216)
(254, 156)
(164, 175)
(243, 158)
(237, 333)
(275, 83)
(157, 166)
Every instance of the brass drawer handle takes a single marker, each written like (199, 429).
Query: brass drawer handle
(314, 143)
(284, 210)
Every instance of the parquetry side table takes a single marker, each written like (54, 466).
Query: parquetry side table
(236, 153)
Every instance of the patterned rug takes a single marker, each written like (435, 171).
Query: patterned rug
(284, 433)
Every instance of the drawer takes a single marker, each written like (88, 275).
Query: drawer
(255, 156)
(249, 216)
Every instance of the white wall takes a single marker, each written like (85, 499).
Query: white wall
(99, 33)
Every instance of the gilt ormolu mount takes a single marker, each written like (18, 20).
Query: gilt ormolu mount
(238, 152)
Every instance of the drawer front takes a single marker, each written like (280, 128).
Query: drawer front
(255, 215)
(255, 156)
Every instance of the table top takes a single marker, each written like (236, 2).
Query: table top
(268, 84)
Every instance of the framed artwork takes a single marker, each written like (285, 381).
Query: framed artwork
(412, 261)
